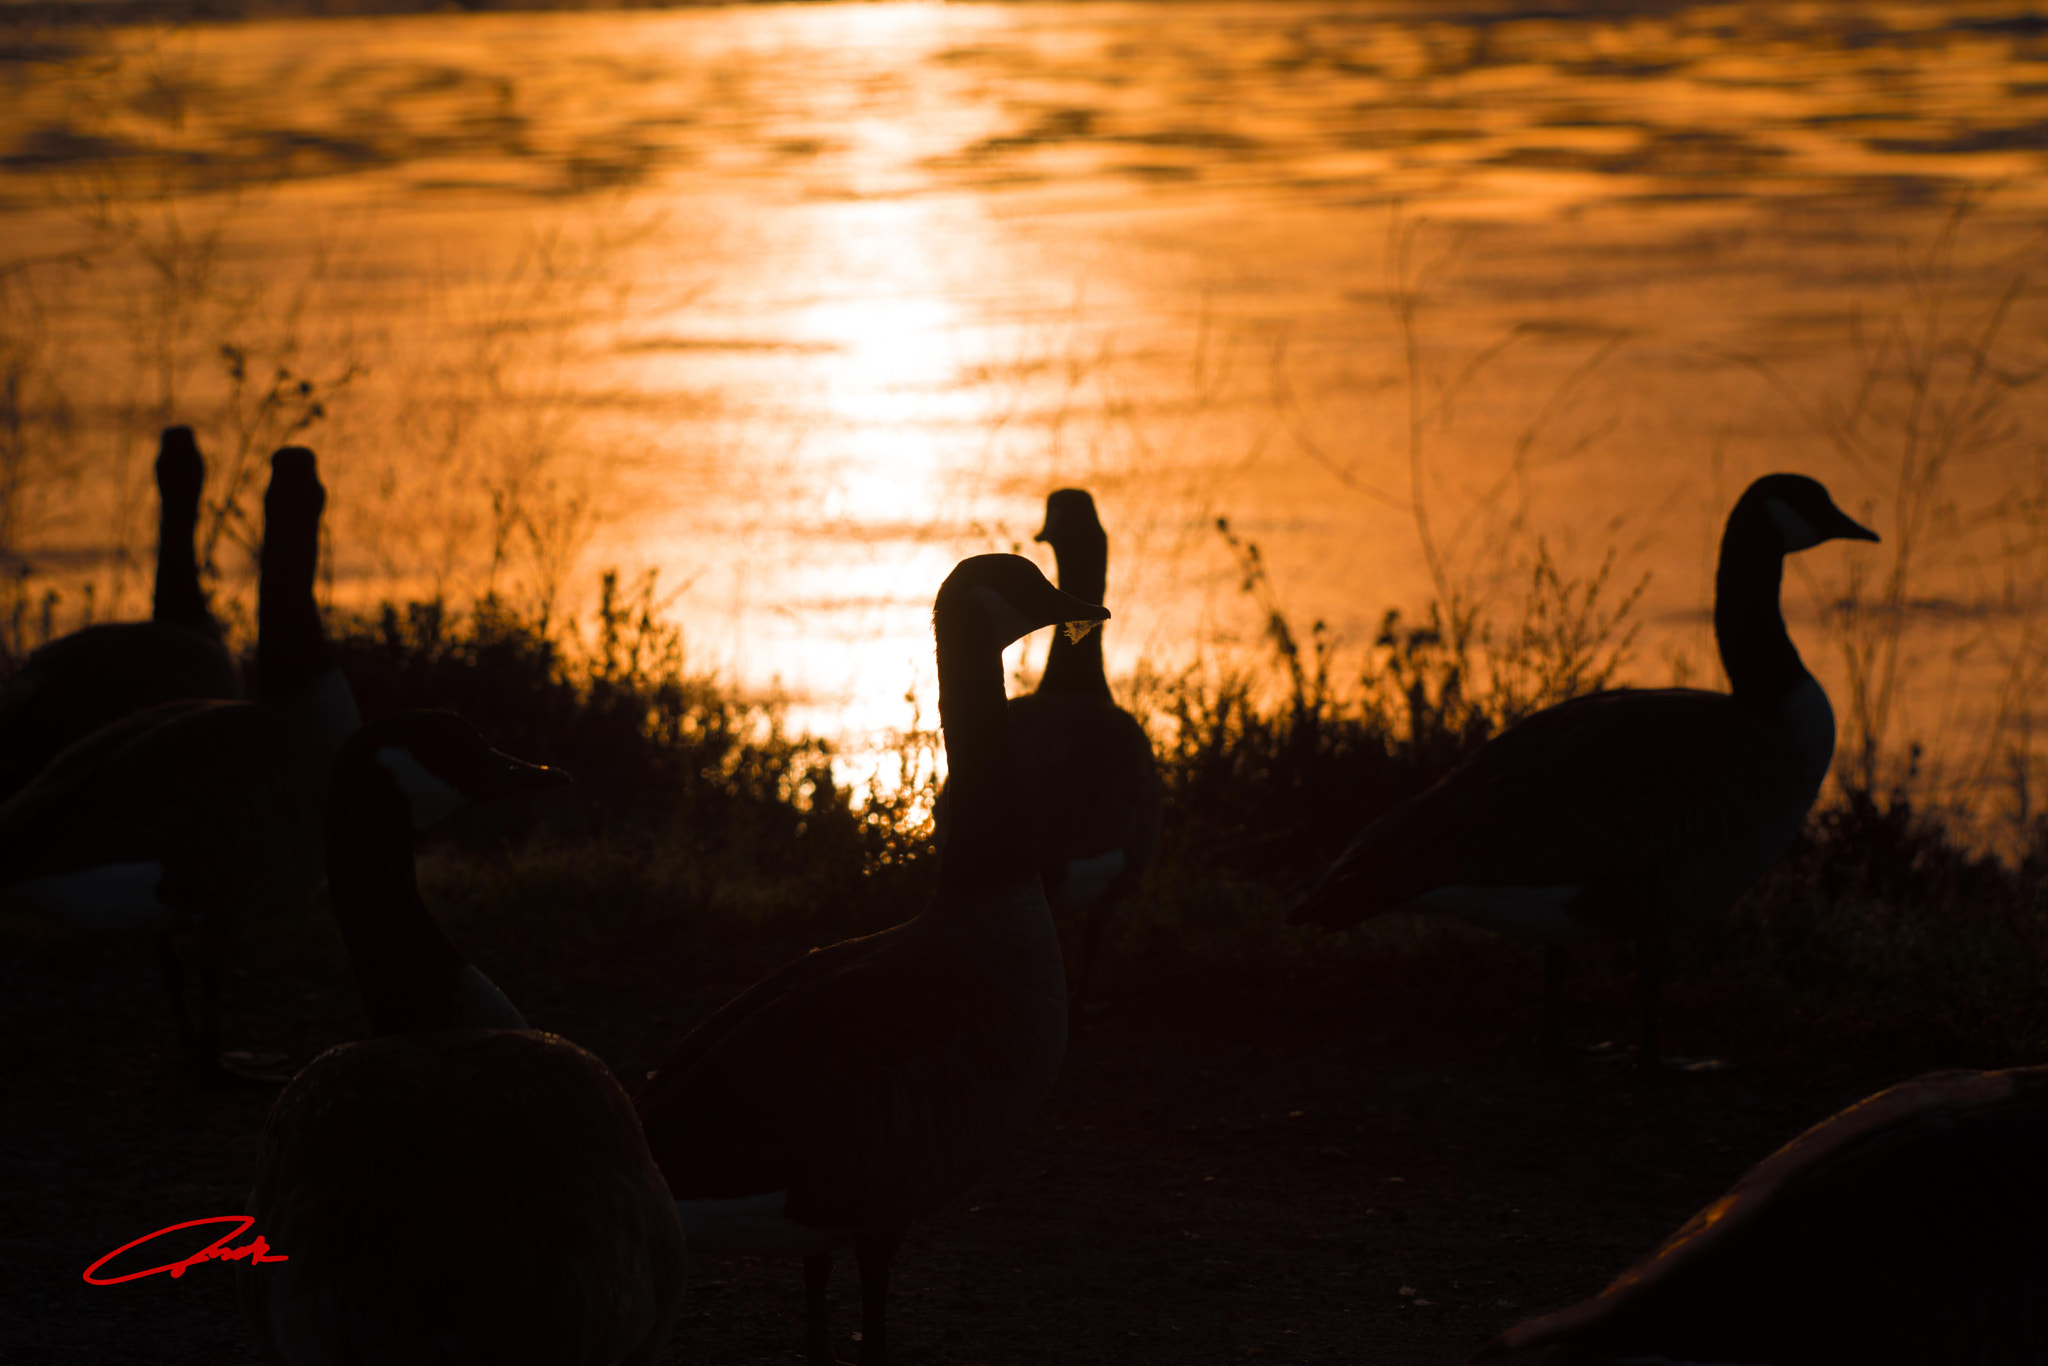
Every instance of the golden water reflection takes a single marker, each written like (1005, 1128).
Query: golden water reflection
(801, 303)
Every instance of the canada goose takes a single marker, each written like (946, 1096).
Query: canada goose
(855, 1089)
(1091, 786)
(457, 1188)
(197, 812)
(72, 686)
(1627, 812)
(1911, 1227)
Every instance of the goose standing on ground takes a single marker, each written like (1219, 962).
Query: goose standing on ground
(1627, 812)
(1911, 1227)
(1090, 783)
(72, 686)
(458, 1188)
(860, 1086)
(197, 813)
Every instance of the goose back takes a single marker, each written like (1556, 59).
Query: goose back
(71, 687)
(514, 1214)
(904, 1062)
(225, 796)
(1618, 801)
(1912, 1226)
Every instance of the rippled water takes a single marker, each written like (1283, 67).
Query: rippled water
(801, 303)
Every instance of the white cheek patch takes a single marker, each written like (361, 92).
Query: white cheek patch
(1537, 915)
(1006, 621)
(1087, 879)
(1794, 530)
(1807, 722)
(326, 707)
(112, 900)
(336, 704)
(755, 1224)
(480, 1005)
(433, 800)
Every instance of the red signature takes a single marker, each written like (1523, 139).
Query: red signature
(258, 1251)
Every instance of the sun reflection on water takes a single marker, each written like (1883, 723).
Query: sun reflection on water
(918, 264)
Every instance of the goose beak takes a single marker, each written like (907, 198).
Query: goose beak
(1075, 615)
(1848, 529)
(516, 775)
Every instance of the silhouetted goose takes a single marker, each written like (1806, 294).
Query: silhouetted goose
(860, 1086)
(1626, 812)
(458, 1188)
(197, 812)
(72, 686)
(1911, 1227)
(1090, 783)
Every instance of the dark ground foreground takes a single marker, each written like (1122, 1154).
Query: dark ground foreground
(1221, 1176)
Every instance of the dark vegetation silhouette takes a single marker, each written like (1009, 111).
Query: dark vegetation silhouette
(704, 837)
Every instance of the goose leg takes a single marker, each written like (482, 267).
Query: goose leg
(1552, 1035)
(874, 1251)
(172, 968)
(210, 952)
(209, 1064)
(1091, 936)
(817, 1315)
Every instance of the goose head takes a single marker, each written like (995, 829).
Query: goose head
(440, 764)
(180, 472)
(1009, 598)
(1070, 521)
(295, 496)
(1801, 512)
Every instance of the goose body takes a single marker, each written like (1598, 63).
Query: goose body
(1088, 775)
(1625, 813)
(854, 1090)
(196, 812)
(77, 683)
(457, 1188)
(1911, 1227)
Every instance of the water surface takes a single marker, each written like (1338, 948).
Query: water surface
(800, 304)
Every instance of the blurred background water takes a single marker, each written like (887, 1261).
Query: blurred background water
(795, 305)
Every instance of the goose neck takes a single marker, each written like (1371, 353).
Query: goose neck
(405, 966)
(987, 844)
(291, 647)
(179, 600)
(1076, 666)
(1749, 623)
